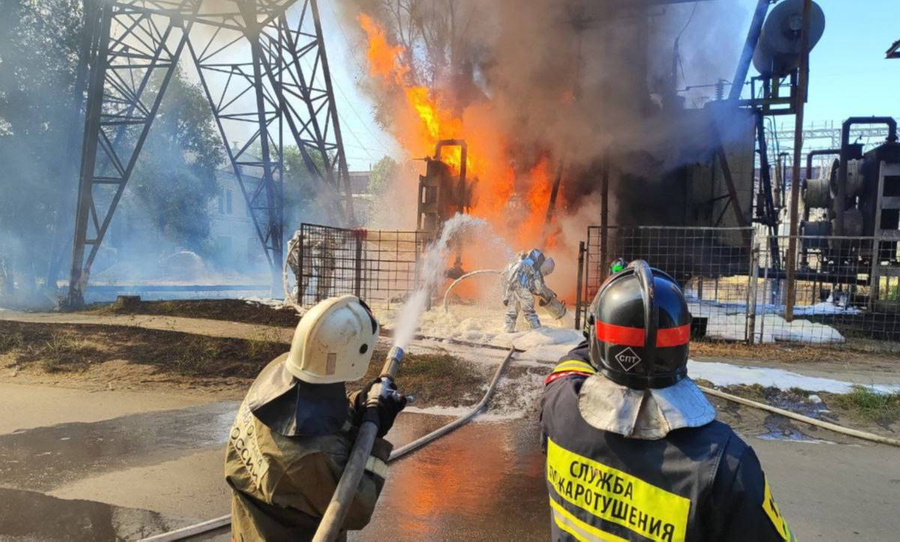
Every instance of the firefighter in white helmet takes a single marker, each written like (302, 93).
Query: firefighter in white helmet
(296, 427)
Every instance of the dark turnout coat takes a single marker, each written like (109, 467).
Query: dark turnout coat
(694, 484)
(285, 454)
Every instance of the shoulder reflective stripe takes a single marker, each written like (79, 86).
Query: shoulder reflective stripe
(377, 467)
(771, 508)
(556, 376)
(616, 496)
(573, 365)
(566, 521)
(634, 336)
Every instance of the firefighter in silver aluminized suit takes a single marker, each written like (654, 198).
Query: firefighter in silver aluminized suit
(521, 281)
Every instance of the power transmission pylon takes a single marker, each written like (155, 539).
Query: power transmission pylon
(262, 64)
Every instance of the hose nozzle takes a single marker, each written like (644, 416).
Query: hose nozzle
(392, 362)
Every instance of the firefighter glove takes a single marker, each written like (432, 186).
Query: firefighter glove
(385, 412)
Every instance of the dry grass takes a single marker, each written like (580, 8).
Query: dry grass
(789, 353)
(11, 341)
(434, 379)
(63, 352)
(881, 408)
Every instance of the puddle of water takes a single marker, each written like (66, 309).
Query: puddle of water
(482, 482)
(45, 458)
(27, 515)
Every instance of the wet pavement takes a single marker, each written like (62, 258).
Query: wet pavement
(28, 515)
(44, 458)
(139, 474)
(482, 482)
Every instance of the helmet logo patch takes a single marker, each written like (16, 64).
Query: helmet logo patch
(628, 358)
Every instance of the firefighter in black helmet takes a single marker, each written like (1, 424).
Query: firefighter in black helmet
(633, 448)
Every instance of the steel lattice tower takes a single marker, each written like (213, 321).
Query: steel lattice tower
(263, 67)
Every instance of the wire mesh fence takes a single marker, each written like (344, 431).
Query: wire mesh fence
(711, 264)
(382, 267)
(846, 291)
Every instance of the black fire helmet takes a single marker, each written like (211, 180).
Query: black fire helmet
(639, 328)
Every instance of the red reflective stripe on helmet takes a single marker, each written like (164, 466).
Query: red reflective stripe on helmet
(621, 335)
(634, 336)
(675, 336)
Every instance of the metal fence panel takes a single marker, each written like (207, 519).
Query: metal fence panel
(711, 264)
(379, 266)
(837, 301)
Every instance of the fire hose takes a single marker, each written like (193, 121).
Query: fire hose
(555, 307)
(288, 296)
(224, 521)
(801, 418)
(462, 278)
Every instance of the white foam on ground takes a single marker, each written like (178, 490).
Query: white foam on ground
(728, 323)
(725, 374)
(483, 324)
(546, 345)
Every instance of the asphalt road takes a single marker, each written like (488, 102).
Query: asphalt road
(77, 465)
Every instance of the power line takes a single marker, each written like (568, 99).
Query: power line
(358, 116)
(355, 137)
(350, 49)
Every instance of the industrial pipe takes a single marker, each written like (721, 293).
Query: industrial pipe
(333, 520)
(740, 73)
(801, 418)
(804, 255)
(809, 160)
(845, 157)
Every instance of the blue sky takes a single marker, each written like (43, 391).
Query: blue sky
(849, 74)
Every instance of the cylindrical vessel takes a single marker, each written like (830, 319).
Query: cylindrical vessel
(818, 192)
(778, 50)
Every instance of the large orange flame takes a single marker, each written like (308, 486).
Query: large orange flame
(420, 119)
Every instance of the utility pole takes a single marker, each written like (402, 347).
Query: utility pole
(795, 177)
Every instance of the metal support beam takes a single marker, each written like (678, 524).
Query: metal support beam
(740, 73)
(802, 88)
(133, 49)
(137, 39)
(68, 167)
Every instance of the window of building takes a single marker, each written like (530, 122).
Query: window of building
(221, 201)
(228, 208)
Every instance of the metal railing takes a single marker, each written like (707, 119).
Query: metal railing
(382, 267)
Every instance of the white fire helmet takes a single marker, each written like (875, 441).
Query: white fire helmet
(548, 266)
(334, 342)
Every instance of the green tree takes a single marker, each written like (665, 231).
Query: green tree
(302, 191)
(174, 180)
(38, 56)
(383, 174)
